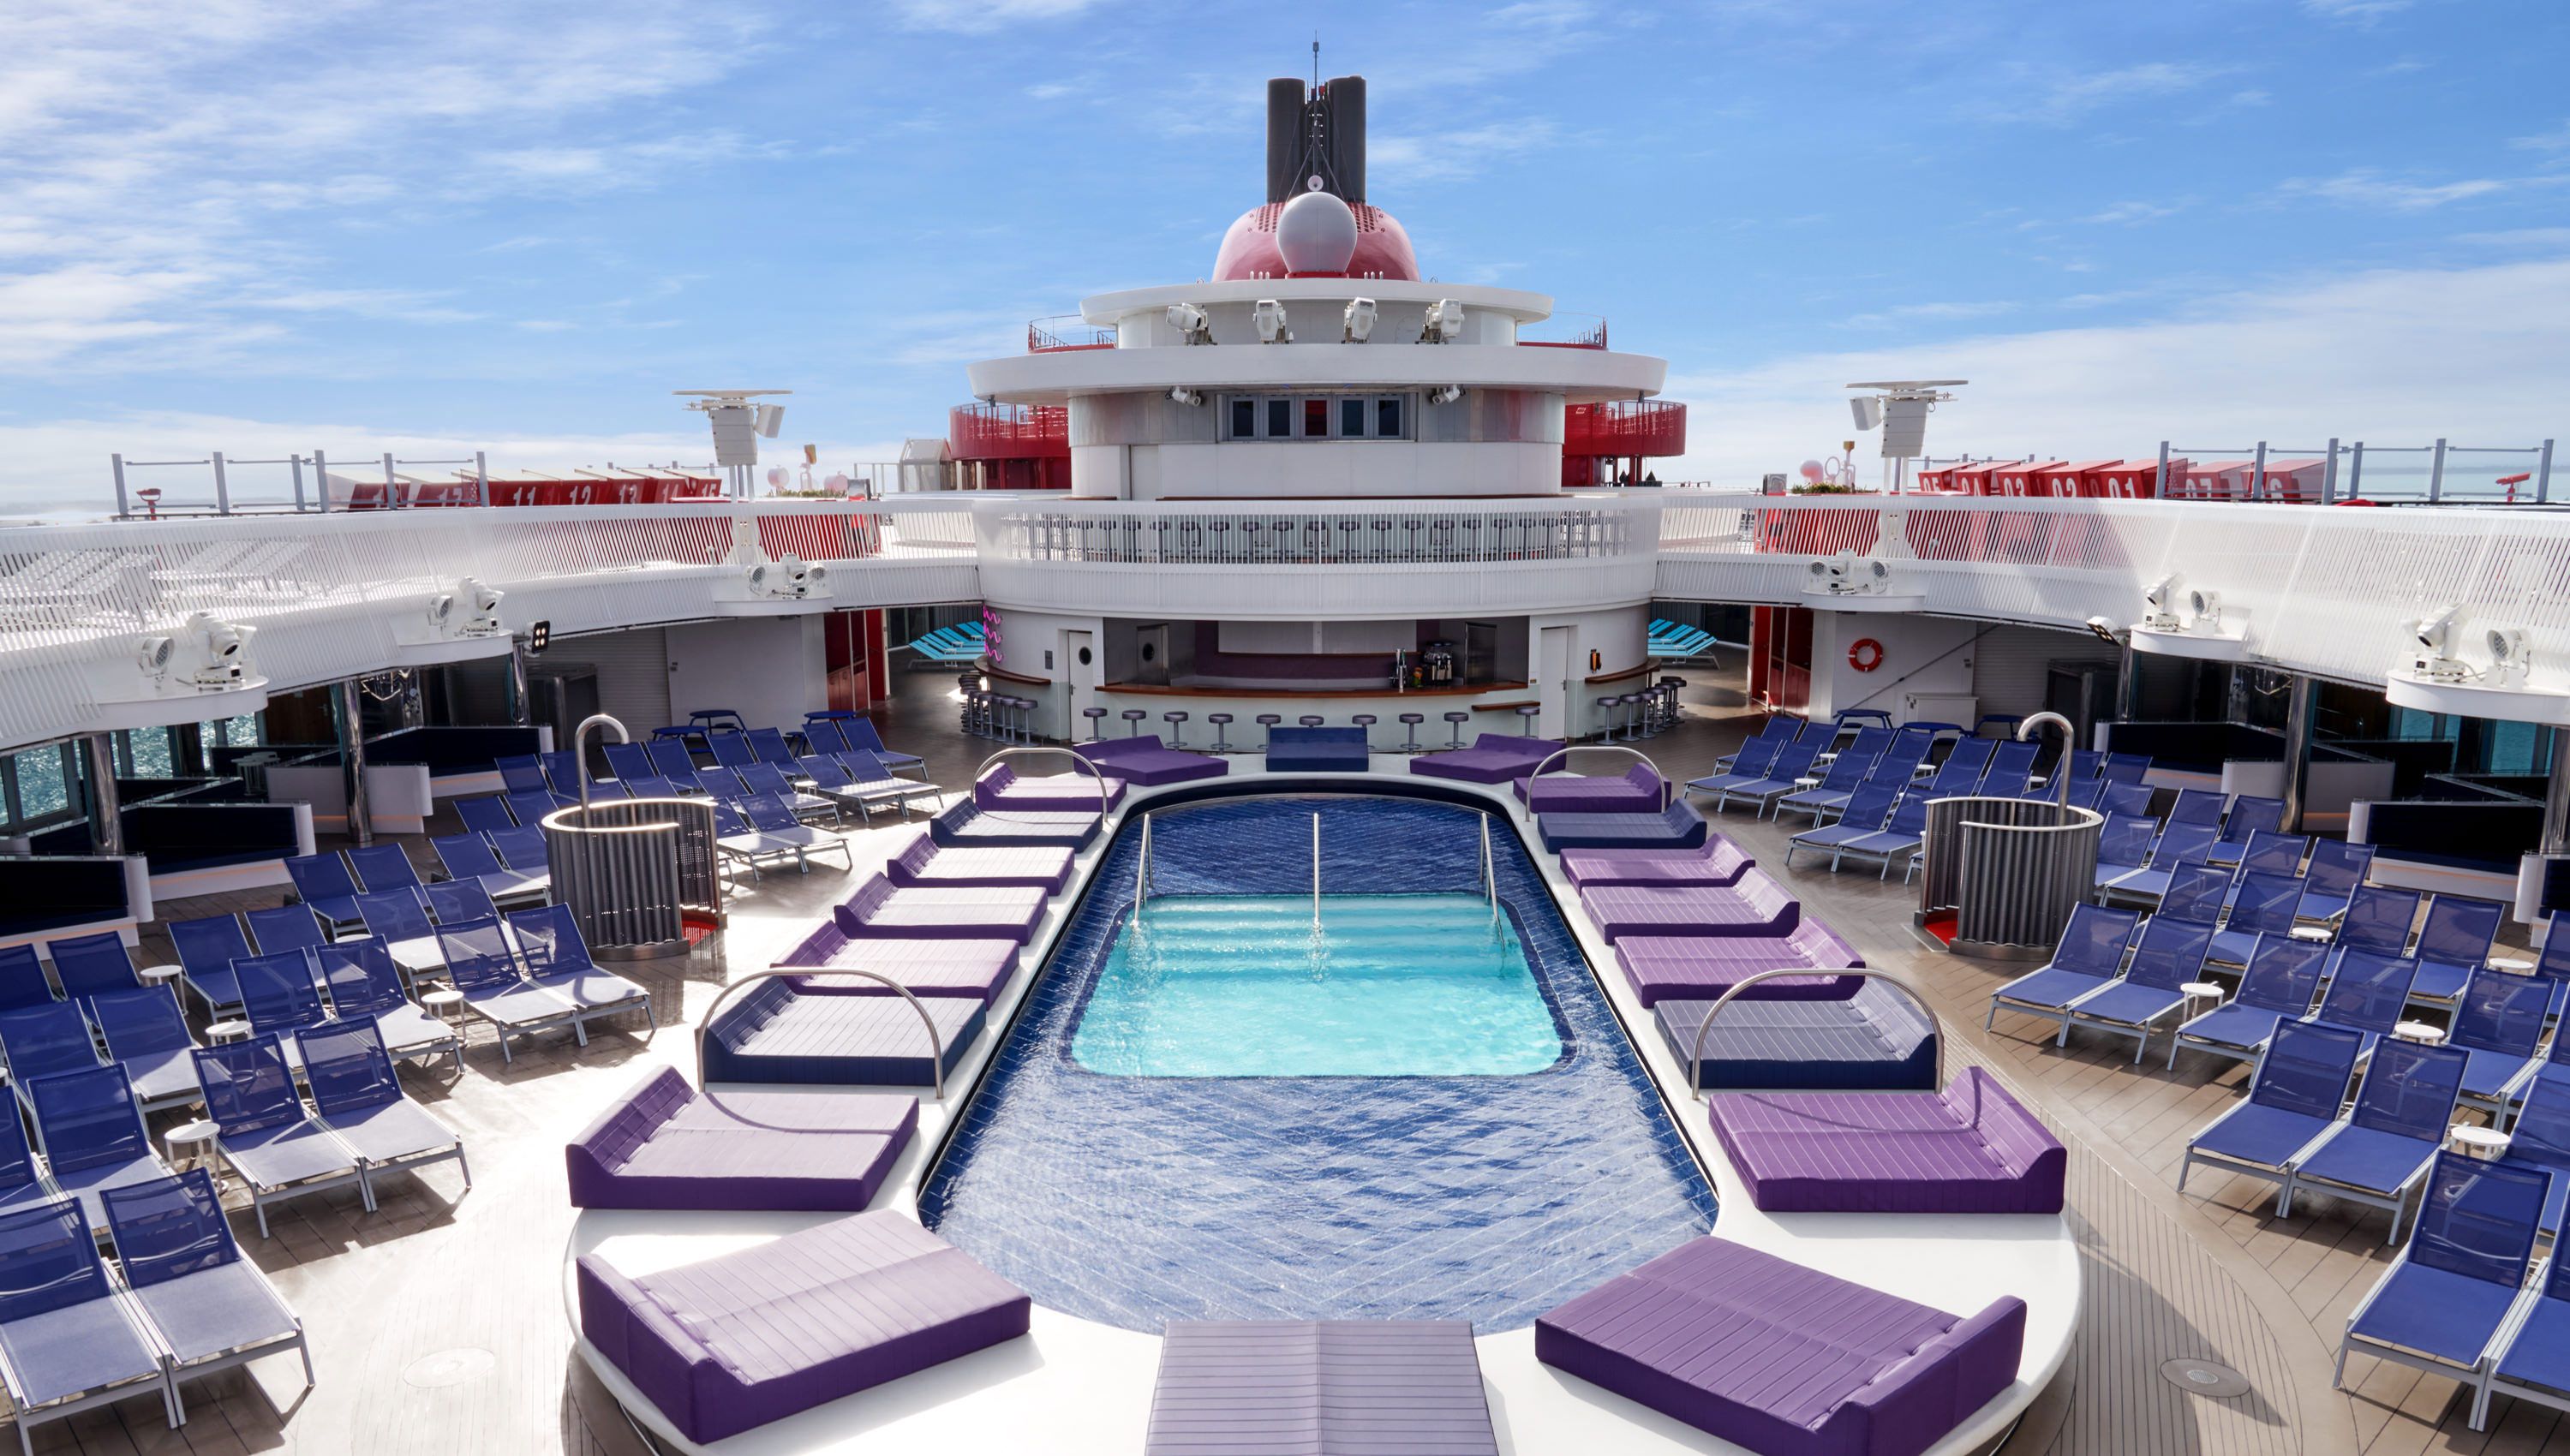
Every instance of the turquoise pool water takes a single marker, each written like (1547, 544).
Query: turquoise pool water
(1388, 985)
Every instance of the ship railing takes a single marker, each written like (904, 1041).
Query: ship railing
(1297, 536)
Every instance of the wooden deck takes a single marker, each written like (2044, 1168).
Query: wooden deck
(437, 1323)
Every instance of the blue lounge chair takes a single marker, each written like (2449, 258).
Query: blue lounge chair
(2452, 943)
(481, 816)
(456, 901)
(1909, 751)
(671, 758)
(771, 747)
(2123, 846)
(1783, 776)
(2196, 894)
(211, 1308)
(2086, 762)
(2277, 986)
(2552, 963)
(2498, 1019)
(2125, 768)
(2268, 851)
(627, 761)
(2197, 806)
(87, 965)
(522, 773)
(2293, 1101)
(22, 978)
(1846, 773)
(775, 819)
(768, 781)
(2381, 1152)
(47, 1041)
(1869, 742)
(262, 1131)
(22, 1183)
(323, 882)
(2533, 1362)
(1961, 770)
(2090, 955)
(2250, 813)
(862, 737)
(522, 850)
(280, 998)
(2012, 769)
(562, 772)
(69, 1342)
(2117, 797)
(821, 736)
(147, 1034)
(481, 965)
(285, 927)
(608, 791)
(2085, 793)
(2179, 846)
(468, 860)
(558, 960)
(531, 809)
(398, 921)
(735, 839)
(732, 750)
(651, 786)
(2540, 1139)
(2377, 918)
(1901, 834)
(1751, 763)
(1868, 810)
(2262, 905)
(2337, 867)
(722, 784)
(206, 949)
(2442, 1303)
(2365, 994)
(384, 866)
(365, 982)
(360, 1100)
(876, 781)
(91, 1132)
(2170, 954)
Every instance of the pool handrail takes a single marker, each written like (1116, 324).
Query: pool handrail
(2060, 766)
(1669, 787)
(1695, 1054)
(1075, 755)
(580, 749)
(936, 1044)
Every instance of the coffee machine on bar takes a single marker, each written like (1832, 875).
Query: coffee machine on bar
(1438, 660)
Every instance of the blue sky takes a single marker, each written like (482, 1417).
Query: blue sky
(258, 228)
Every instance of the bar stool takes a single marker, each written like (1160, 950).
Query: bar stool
(1459, 718)
(1607, 717)
(1006, 708)
(1133, 722)
(1632, 703)
(1096, 723)
(1309, 720)
(1178, 728)
(1023, 720)
(1527, 714)
(1267, 730)
(1364, 724)
(1221, 723)
(1410, 721)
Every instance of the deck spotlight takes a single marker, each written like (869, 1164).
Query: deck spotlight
(1360, 320)
(2156, 603)
(1446, 395)
(223, 651)
(2103, 629)
(2204, 607)
(2506, 653)
(1270, 317)
(1186, 396)
(1191, 322)
(153, 653)
(1445, 323)
(2434, 637)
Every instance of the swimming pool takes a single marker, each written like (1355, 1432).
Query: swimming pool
(1192, 1156)
(1359, 985)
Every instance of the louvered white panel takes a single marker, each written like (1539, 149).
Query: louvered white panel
(2009, 663)
(633, 673)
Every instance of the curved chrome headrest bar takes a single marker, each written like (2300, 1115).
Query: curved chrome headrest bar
(1696, 1053)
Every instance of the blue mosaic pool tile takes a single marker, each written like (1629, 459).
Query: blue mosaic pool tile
(1134, 1200)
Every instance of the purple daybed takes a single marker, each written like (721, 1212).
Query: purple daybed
(976, 969)
(877, 909)
(1874, 1040)
(1715, 862)
(1237, 1387)
(964, 823)
(1755, 905)
(1004, 787)
(777, 1032)
(1494, 758)
(1969, 1149)
(1144, 759)
(927, 863)
(1702, 967)
(1677, 826)
(735, 1342)
(1637, 790)
(1783, 1359)
(670, 1146)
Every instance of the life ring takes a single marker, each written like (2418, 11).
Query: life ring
(1866, 655)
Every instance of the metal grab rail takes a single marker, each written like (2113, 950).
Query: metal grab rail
(1489, 869)
(1669, 787)
(936, 1044)
(580, 747)
(1696, 1053)
(2070, 740)
(1075, 755)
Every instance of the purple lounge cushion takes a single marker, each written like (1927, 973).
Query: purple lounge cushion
(1144, 760)
(1494, 758)
(1005, 788)
(879, 908)
(1637, 790)
(1753, 905)
(1240, 1388)
(974, 967)
(1784, 1360)
(925, 862)
(734, 1343)
(1717, 861)
(1970, 1149)
(671, 1146)
(1702, 967)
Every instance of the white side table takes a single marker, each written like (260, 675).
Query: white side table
(446, 1004)
(232, 1030)
(192, 1145)
(160, 976)
(2478, 1142)
(2427, 1031)
(2199, 991)
(2510, 962)
(2316, 935)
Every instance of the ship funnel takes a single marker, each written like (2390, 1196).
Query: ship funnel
(1316, 132)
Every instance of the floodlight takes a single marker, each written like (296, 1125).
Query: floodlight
(1446, 395)
(1868, 410)
(1191, 322)
(1186, 396)
(2506, 653)
(772, 418)
(1360, 320)
(2155, 604)
(2435, 632)
(2204, 607)
(2104, 629)
(152, 654)
(1270, 317)
(1445, 323)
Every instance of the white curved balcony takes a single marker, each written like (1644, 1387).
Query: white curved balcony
(1578, 375)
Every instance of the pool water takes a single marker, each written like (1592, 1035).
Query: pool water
(1375, 985)
(1408, 1119)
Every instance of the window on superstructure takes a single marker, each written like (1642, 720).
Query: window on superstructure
(35, 788)
(1387, 417)
(1352, 419)
(1316, 419)
(1280, 419)
(1244, 419)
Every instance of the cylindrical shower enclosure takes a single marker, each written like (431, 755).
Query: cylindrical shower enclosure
(632, 870)
(2010, 871)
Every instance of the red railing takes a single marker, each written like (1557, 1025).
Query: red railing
(1065, 332)
(619, 491)
(1567, 331)
(1625, 428)
(1009, 432)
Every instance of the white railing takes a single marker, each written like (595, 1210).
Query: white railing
(1298, 534)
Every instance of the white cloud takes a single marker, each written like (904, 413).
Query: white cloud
(2070, 98)
(1465, 152)
(1942, 312)
(2556, 140)
(2135, 212)
(2362, 12)
(976, 17)
(2394, 357)
(2366, 187)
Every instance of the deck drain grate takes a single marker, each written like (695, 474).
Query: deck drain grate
(450, 1367)
(2205, 1378)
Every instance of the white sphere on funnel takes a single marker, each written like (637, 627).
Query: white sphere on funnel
(1315, 234)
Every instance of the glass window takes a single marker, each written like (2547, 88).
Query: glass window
(43, 789)
(1387, 417)
(1244, 419)
(1280, 419)
(1352, 413)
(147, 752)
(1316, 419)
